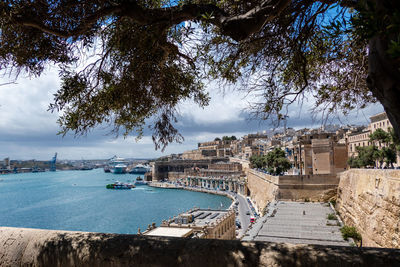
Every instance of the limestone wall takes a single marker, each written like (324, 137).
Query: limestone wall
(370, 200)
(31, 247)
(263, 188)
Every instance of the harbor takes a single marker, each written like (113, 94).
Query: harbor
(80, 201)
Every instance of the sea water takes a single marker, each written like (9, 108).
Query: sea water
(79, 201)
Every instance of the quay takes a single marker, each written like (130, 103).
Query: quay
(243, 210)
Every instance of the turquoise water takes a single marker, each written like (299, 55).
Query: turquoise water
(79, 201)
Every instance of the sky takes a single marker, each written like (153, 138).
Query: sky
(29, 131)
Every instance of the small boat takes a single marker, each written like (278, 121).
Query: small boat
(140, 181)
(118, 185)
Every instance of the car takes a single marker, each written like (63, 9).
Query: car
(248, 213)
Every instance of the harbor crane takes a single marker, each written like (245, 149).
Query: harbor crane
(53, 163)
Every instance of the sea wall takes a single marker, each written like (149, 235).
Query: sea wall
(32, 247)
(370, 200)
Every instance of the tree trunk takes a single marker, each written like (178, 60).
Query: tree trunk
(384, 73)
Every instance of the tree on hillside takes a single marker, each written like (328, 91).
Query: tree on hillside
(258, 161)
(343, 53)
(277, 162)
(229, 138)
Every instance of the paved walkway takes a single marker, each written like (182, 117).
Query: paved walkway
(297, 223)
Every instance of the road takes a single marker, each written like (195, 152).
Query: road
(244, 219)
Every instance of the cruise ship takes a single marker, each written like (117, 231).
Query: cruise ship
(118, 165)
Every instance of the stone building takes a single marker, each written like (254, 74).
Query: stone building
(317, 153)
(198, 223)
(231, 183)
(356, 139)
(172, 169)
(361, 137)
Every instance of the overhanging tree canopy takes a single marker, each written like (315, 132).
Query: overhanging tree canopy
(345, 53)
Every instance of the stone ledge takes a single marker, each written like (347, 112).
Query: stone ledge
(32, 247)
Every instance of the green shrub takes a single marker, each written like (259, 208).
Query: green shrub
(333, 202)
(331, 216)
(350, 231)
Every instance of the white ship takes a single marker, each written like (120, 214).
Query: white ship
(118, 165)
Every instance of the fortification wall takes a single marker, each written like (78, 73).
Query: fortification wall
(263, 188)
(370, 200)
(309, 179)
(32, 247)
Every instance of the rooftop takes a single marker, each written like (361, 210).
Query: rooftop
(170, 231)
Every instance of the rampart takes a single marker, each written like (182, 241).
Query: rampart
(30, 247)
(370, 200)
(265, 188)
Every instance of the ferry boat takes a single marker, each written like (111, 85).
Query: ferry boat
(119, 185)
(140, 169)
(118, 165)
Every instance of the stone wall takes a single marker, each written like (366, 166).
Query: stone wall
(31, 247)
(370, 200)
(263, 188)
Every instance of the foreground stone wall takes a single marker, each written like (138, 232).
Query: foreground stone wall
(30, 247)
(370, 200)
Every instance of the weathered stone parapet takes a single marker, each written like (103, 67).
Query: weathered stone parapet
(30, 247)
(369, 199)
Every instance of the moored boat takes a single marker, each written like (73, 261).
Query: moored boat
(140, 169)
(140, 181)
(118, 165)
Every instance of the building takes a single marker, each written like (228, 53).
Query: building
(198, 223)
(359, 138)
(317, 153)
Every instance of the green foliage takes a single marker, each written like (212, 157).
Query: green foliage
(367, 155)
(228, 138)
(277, 162)
(386, 154)
(380, 136)
(370, 21)
(331, 216)
(143, 66)
(350, 231)
(258, 161)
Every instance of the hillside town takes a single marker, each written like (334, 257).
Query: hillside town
(268, 175)
(324, 150)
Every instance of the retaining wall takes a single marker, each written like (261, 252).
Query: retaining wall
(370, 200)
